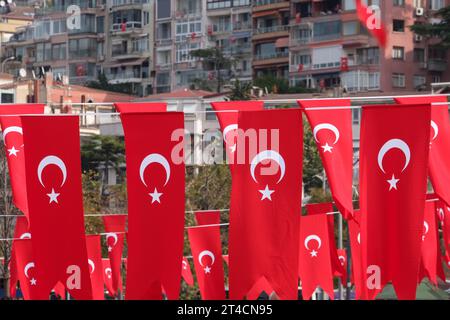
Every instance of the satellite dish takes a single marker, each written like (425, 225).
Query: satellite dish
(22, 73)
(2, 3)
(9, 1)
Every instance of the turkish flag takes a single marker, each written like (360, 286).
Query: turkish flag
(156, 194)
(393, 181)
(21, 231)
(354, 231)
(55, 203)
(439, 163)
(332, 131)
(26, 269)
(265, 203)
(342, 255)
(94, 251)
(431, 264)
(314, 268)
(13, 142)
(139, 107)
(372, 21)
(227, 113)
(324, 208)
(186, 272)
(206, 217)
(115, 228)
(444, 218)
(206, 250)
(107, 277)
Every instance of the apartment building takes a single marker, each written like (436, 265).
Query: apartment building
(12, 18)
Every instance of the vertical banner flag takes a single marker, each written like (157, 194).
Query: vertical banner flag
(370, 17)
(140, 107)
(13, 142)
(443, 212)
(265, 202)
(94, 251)
(26, 269)
(206, 250)
(314, 268)
(21, 231)
(55, 203)
(206, 217)
(354, 231)
(393, 180)
(439, 158)
(342, 255)
(107, 277)
(154, 144)
(115, 233)
(332, 131)
(186, 272)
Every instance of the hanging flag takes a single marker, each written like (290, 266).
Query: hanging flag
(55, 203)
(225, 258)
(332, 131)
(431, 264)
(94, 252)
(155, 186)
(355, 247)
(140, 107)
(443, 213)
(206, 250)
(265, 203)
(393, 180)
(115, 229)
(60, 291)
(107, 277)
(372, 21)
(21, 231)
(13, 142)
(314, 268)
(439, 164)
(26, 269)
(186, 272)
(205, 217)
(342, 255)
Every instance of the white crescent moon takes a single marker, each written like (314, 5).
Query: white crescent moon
(154, 158)
(231, 127)
(425, 224)
(52, 160)
(11, 129)
(266, 155)
(313, 237)
(342, 259)
(435, 129)
(25, 235)
(28, 267)
(91, 263)
(108, 272)
(206, 253)
(394, 144)
(359, 238)
(328, 126)
(112, 235)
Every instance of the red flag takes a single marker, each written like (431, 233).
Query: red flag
(393, 181)
(207, 252)
(60, 291)
(439, 164)
(372, 21)
(155, 183)
(431, 265)
(206, 217)
(355, 247)
(332, 130)
(13, 142)
(186, 272)
(139, 107)
(94, 251)
(115, 229)
(225, 258)
(342, 255)
(21, 231)
(314, 268)
(444, 217)
(26, 269)
(107, 277)
(55, 203)
(265, 203)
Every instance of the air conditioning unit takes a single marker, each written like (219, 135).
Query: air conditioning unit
(192, 64)
(418, 38)
(419, 12)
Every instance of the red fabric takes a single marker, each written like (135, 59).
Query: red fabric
(139, 107)
(107, 277)
(55, 204)
(265, 210)
(364, 17)
(20, 231)
(314, 268)
(225, 258)
(60, 291)
(115, 228)
(207, 217)
(355, 247)
(186, 272)
(431, 265)
(95, 266)
(332, 131)
(444, 218)
(438, 161)
(393, 181)
(155, 186)
(26, 270)
(342, 255)
(206, 250)
(13, 142)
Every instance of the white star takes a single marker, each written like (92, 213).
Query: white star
(53, 196)
(155, 196)
(233, 148)
(314, 253)
(13, 151)
(207, 270)
(266, 193)
(109, 248)
(33, 281)
(393, 183)
(327, 148)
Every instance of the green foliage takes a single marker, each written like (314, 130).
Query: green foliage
(102, 84)
(104, 151)
(439, 30)
(272, 83)
(240, 91)
(312, 164)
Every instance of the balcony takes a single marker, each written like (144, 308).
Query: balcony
(127, 28)
(241, 26)
(268, 59)
(128, 54)
(120, 3)
(187, 14)
(270, 32)
(124, 77)
(261, 5)
(437, 65)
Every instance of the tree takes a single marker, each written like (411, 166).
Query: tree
(102, 83)
(439, 30)
(240, 91)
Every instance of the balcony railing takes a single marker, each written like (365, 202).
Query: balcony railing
(271, 29)
(123, 75)
(187, 14)
(437, 65)
(266, 2)
(271, 56)
(129, 26)
(129, 52)
(239, 25)
(117, 3)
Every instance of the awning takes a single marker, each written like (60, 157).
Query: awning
(242, 34)
(128, 63)
(282, 42)
(264, 13)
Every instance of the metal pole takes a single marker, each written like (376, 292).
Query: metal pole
(340, 246)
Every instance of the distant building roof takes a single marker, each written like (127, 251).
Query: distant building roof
(20, 13)
(90, 94)
(182, 94)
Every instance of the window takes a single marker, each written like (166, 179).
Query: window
(398, 25)
(184, 52)
(7, 98)
(327, 30)
(350, 28)
(82, 48)
(299, 58)
(398, 80)
(437, 4)
(59, 51)
(100, 24)
(398, 53)
(218, 4)
(349, 5)
(368, 56)
(419, 55)
(163, 9)
(186, 29)
(399, 3)
(355, 116)
(419, 81)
